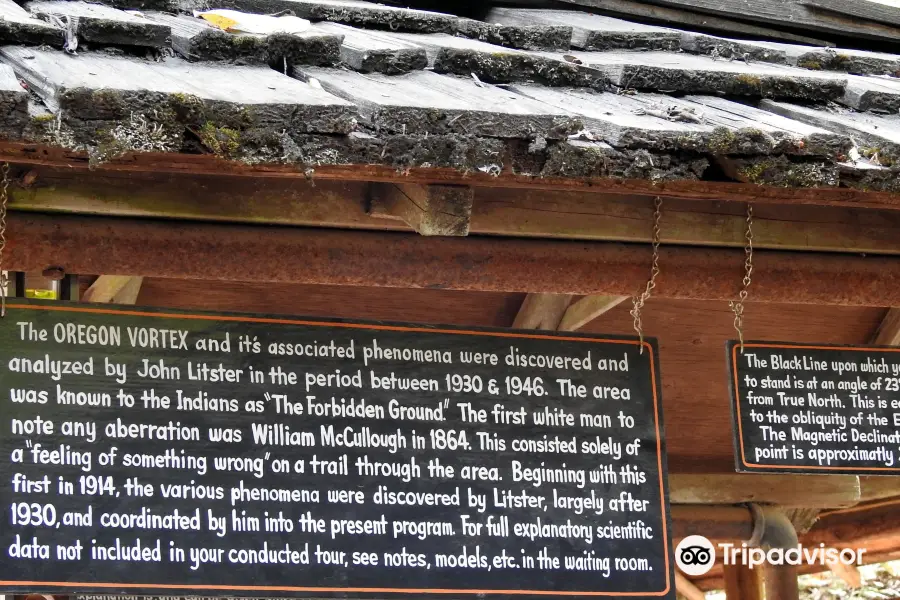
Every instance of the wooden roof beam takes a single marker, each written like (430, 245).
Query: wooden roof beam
(428, 209)
(583, 215)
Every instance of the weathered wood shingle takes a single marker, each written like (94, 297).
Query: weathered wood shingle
(350, 12)
(880, 94)
(423, 102)
(495, 64)
(17, 26)
(696, 123)
(105, 100)
(594, 32)
(373, 51)
(195, 39)
(669, 72)
(104, 25)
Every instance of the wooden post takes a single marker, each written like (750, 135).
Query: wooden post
(742, 583)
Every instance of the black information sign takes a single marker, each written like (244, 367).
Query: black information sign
(815, 409)
(175, 453)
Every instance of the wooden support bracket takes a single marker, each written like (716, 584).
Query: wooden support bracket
(557, 312)
(114, 289)
(888, 333)
(542, 311)
(429, 209)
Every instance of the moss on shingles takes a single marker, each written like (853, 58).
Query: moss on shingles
(782, 172)
(722, 140)
(221, 141)
(810, 63)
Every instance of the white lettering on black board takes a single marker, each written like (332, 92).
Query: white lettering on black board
(816, 409)
(271, 456)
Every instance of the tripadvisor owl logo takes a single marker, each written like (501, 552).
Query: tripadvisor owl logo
(695, 555)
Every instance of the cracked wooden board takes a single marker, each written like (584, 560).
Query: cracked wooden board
(425, 102)
(102, 24)
(594, 32)
(668, 72)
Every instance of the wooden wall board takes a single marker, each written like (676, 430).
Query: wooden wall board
(692, 338)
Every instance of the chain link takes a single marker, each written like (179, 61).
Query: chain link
(738, 307)
(4, 199)
(638, 301)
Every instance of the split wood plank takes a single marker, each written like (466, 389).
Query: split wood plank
(103, 24)
(594, 32)
(888, 334)
(372, 51)
(542, 311)
(17, 26)
(687, 589)
(429, 209)
(114, 289)
(425, 102)
(667, 15)
(813, 491)
(742, 582)
(195, 39)
(656, 71)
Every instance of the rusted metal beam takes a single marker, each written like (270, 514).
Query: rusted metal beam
(183, 250)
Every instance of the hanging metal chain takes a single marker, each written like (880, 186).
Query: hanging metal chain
(738, 307)
(4, 199)
(638, 301)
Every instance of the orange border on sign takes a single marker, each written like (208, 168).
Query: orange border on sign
(269, 588)
(737, 400)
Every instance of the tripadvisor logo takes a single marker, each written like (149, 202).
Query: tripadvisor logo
(695, 555)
